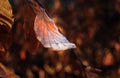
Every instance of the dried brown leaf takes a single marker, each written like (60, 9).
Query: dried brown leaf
(6, 16)
(6, 73)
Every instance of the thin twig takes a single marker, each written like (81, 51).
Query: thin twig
(83, 66)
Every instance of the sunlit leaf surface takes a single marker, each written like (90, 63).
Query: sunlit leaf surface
(6, 16)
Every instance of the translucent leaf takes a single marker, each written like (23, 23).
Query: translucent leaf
(48, 34)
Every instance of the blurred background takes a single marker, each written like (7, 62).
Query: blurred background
(93, 25)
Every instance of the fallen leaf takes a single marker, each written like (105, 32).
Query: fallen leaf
(6, 73)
